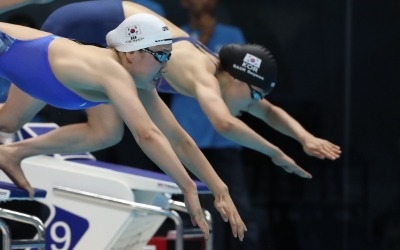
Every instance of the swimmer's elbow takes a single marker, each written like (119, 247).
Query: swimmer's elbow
(184, 142)
(147, 135)
(224, 126)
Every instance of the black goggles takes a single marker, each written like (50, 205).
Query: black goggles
(160, 56)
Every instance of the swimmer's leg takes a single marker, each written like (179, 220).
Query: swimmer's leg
(11, 166)
(103, 128)
(18, 109)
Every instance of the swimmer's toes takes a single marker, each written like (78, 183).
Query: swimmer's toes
(17, 176)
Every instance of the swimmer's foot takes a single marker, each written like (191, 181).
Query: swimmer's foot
(12, 168)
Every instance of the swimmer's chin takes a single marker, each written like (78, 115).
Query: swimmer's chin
(150, 85)
(153, 83)
(155, 80)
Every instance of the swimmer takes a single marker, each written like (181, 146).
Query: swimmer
(224, 85)
(66, 74)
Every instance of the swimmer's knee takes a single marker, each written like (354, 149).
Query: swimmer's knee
(114, 138)
(117, 134)
(111, 135)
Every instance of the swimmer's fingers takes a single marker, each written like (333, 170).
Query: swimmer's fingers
(321, 148)
(225, 206)
(196, 213)
(289, 165)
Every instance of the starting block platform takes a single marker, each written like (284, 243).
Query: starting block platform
(99, 205)
(9, 192)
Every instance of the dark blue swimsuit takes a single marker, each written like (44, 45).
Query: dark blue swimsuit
(86, 22)
(26, 65)
(90, 21)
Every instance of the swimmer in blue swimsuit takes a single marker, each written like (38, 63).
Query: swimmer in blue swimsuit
(225, 86)
(46, 69)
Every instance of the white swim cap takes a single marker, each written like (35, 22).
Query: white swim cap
(137, 32)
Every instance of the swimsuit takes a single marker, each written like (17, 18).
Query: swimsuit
(26, 65)
(87, 22)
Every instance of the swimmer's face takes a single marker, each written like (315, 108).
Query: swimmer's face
(152, 63)
(256, 93)
(240, 95)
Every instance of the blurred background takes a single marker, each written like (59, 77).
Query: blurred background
(339, 75)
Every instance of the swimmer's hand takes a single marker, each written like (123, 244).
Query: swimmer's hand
(196, 213)
(289, 165)
(225, 206)
(320, 148)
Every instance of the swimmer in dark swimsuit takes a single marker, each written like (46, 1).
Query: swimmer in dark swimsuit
(236, 81)
(46, 69)
(224, 86)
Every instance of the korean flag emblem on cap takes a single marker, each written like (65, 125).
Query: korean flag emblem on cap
(133, 30)
(253, 60)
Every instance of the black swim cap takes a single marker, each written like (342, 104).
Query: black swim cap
(250, 63)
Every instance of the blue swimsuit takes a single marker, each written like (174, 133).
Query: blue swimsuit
(26, 65)
(86, 22)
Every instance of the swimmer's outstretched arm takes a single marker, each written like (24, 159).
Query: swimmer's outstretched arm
(237, 131)
(281, 121)
(122, 94)
(193, 159)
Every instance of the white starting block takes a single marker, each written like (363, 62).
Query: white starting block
(98, 205)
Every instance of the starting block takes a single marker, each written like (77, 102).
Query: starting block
(9, 192)
(99, 205)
